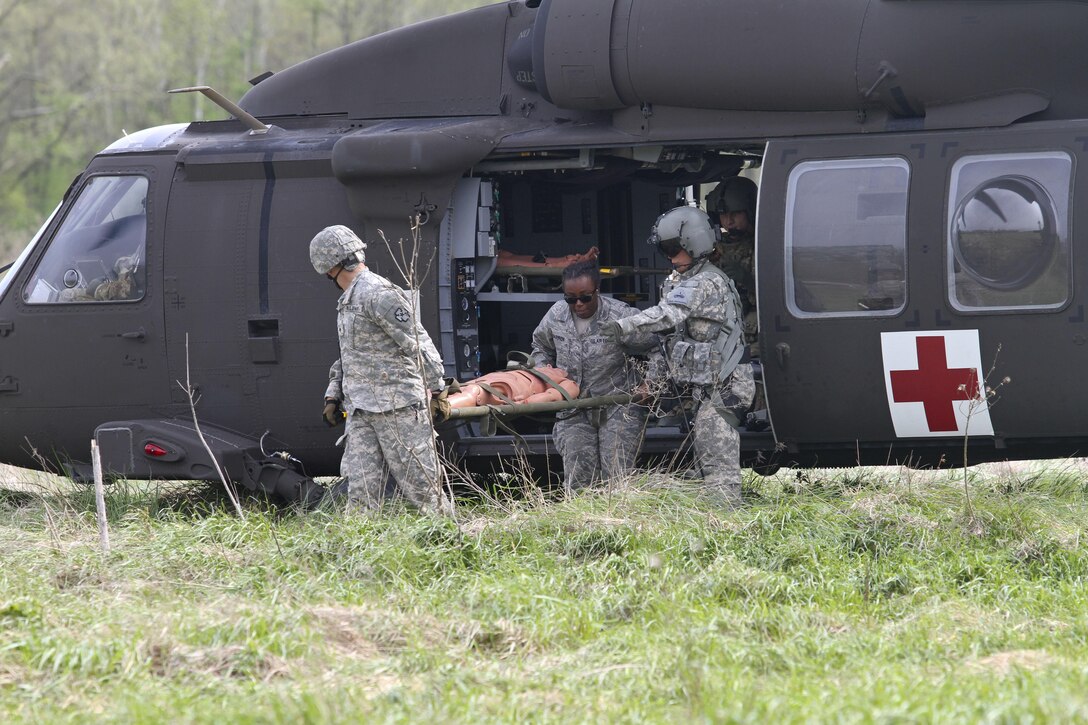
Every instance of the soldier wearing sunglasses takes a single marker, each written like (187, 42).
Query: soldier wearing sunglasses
(595, 445)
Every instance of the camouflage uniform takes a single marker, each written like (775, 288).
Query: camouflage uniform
(124, 287)
(387, 366)
(738, 262)
(595, 444)
(702, 306)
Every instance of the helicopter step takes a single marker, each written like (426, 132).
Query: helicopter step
(176, 449)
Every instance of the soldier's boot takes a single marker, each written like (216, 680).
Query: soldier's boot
(724, 496)
(445, 506)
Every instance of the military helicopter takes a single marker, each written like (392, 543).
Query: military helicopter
(916, 218)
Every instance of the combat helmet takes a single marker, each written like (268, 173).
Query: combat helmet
(687, 228)
(336, 245)
(736, 193)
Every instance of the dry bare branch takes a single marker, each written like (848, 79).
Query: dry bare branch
(188, 388)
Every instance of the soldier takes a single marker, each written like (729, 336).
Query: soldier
(699, 303)
(601, 443)
(381, 382)
(732, 204)
(124, 287)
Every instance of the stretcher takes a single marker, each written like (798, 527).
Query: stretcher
(498, 397)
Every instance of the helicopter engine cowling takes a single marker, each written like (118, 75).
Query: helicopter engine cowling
(753, 55)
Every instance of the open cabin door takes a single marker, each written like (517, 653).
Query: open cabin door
(899, 275)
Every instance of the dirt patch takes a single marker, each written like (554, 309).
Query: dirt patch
(24, 479)
(887, 508)
(500, 638)
(475, 527)
(14, 477)
(944, 622)
(1004, 663)
(360, 633)
(357, 634)
(366, 633)
(169, 660)
(14, 675)
(77, 577)
(345, 629)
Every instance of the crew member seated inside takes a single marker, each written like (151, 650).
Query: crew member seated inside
(121, 284)
(732, 205)
(99, 252)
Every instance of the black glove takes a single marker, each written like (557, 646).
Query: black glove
(332, 414)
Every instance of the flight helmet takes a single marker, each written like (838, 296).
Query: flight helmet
(687, 228)
(736, 193)
(336, 245)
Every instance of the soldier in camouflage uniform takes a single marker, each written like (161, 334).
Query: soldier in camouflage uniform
(124, 287)
(601, 443)
(387, 366)
(701, 306)
(732, 204)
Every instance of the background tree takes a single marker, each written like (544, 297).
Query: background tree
(74, 77)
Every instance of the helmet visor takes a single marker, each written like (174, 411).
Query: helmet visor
(670, 247)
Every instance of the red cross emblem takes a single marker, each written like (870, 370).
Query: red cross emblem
(933, 380)
(935, 385)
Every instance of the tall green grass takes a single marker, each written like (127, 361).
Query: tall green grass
(858, 596)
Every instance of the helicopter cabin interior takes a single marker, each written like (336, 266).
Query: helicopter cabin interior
(514, 225)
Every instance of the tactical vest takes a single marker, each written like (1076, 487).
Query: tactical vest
(711, 360)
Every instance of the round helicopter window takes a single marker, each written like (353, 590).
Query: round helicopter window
(1004, 232)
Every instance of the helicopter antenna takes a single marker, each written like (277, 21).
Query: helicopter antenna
(254, 124)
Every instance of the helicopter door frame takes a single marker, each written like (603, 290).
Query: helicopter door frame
(98, 358)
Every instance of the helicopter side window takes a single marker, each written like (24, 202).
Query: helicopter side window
(1008, 231)
(98, 253)
(846, 237)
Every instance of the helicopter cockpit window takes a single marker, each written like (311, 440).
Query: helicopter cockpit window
(846, 237)
(1008, 234)
(98, 253)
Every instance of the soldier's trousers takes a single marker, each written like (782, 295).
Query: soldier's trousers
(716, 442)
(398, 442)
(592, 453)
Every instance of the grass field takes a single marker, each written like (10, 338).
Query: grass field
(865, 595)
